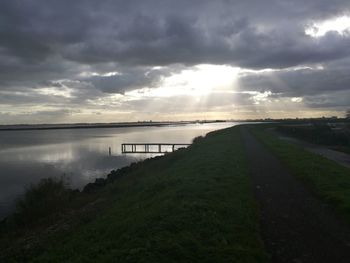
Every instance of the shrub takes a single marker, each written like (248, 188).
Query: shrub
(48, 197)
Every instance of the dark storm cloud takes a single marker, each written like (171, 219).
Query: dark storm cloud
(327, 87)
(146, 40)
(47, 43)
(331, 100)
(33, 30)
(300, 82)
(131, 78)
(251, 34)
(15, 74)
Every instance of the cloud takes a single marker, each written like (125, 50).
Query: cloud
(320, 87)
(75, 46)
(336, 100)
(44, 116)
(130, 78)
(163, 33)
(298, 82)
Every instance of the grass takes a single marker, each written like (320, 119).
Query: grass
(320, 133)
(194, 205)
(327, 179)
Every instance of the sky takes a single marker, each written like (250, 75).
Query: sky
(163, 60)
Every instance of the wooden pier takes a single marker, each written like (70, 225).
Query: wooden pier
(152, 147)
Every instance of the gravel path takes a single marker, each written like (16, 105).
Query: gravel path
(296, 227)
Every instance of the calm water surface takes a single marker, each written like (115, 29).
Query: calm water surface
(80, 155)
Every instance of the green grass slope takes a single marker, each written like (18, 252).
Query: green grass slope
(195, 205)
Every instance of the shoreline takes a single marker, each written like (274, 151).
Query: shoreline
(107, 162)
(188, 201)
(87, 126)
(57, 126)
(145, 203)
(23, 127)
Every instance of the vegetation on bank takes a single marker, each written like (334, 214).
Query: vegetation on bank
(48, 197)
(194, 205)
(335, 136)
(327, 179)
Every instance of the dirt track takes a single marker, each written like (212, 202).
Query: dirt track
(296, 226)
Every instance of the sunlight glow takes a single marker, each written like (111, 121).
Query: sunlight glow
(258, 97)
(87, 74)
(297, 99)
(111, 100)
(339, 24)
(54, 91)
(199, 80)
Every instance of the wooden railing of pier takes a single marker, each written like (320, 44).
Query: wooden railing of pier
(152, 147)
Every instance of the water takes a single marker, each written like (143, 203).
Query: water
(80, 155)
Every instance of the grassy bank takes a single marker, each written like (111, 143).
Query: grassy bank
(195, 205)
(329, 135)
(327, 179)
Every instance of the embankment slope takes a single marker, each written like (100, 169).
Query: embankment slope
(194, 205)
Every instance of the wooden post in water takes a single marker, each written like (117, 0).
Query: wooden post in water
(109, 151)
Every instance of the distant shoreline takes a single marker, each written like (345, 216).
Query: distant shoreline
(23, 127)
